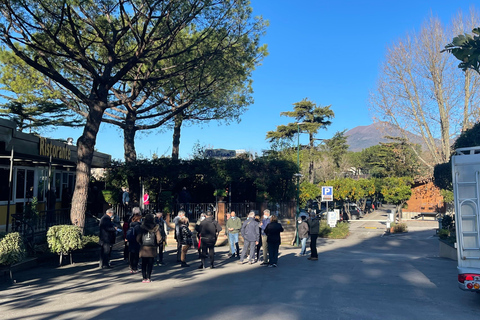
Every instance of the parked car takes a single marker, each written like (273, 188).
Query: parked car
(355, 212)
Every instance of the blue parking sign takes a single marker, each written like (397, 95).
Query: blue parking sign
(327, 193)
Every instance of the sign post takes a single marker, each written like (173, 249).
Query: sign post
(327, 195)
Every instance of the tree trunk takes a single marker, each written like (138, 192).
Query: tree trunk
(130, 153)
(176, 136)
(85, 149)
(466, 103)
(310, 165)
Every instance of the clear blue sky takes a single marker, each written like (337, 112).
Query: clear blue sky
(327, 51)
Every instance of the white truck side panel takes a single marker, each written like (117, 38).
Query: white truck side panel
(466, 179)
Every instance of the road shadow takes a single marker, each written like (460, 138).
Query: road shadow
(390, 277)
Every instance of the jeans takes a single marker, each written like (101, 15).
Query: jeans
(246, 245)
(160, 253)
(233, 237)
(265, 249)
(304, 246)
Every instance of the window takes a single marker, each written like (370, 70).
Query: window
(24, 184)
(4, 177)
(42, 185)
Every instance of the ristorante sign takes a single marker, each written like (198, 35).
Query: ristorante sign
(49, 149)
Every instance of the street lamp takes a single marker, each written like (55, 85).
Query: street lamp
(298, 176)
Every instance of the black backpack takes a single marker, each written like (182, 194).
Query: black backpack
(131, 235)
(148, 239)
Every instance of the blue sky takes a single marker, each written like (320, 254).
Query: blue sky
(327, 51)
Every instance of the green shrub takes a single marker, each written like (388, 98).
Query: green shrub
(443, 233)
(90, 241)
(341, 231)
(111, 197)
(398, 227)
(12, 249)
(63, 239)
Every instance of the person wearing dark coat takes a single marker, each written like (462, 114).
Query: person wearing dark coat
(148, 251)
(209, 230)
(107, 238)
(273, 231)
(162, 226)
(259, 245)
(133, 245)
(313, 229)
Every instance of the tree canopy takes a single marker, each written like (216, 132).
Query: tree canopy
(89, 49)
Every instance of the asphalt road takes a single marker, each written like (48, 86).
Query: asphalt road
(367, 276)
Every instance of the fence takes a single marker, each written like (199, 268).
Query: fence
(284, 210)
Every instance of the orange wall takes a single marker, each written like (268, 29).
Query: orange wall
(425, 198)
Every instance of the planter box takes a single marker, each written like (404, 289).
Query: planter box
(447, 250)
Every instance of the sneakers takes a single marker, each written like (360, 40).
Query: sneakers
(312, 258)
(184, 265)
(240, 262)
(252, 262)
(146, 281)
(201, 267)
(272, 265)
(264, 264)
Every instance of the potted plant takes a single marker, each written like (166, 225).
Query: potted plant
(12, 250)
(63, 239)
(220, 194)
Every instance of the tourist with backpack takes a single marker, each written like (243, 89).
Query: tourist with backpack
(133, 245)
(185, 239)
(149, 238)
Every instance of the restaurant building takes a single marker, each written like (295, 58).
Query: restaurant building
(36, 167)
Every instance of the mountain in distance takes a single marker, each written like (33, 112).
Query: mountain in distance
(363, 137)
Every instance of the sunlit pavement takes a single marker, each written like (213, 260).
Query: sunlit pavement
(367, 276)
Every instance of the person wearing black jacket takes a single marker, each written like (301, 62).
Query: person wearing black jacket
(209, 229)
(272, 231)
(313, 230)
(107, 238)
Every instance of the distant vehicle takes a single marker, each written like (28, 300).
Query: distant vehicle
(355, 212)
(466, 184)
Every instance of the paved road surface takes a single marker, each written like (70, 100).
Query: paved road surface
(367, 276)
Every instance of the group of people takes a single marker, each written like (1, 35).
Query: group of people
(145, 239)
(265, 234)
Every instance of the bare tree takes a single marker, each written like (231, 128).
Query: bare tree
(420, 90)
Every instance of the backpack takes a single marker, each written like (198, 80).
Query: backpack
(131, 237)
(148, 239)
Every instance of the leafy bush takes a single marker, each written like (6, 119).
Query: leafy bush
(111, 197)
(447, 222)
(398, 227)
(443, 233)
(63, 239)
(12, 249)
(90, 241)
(341, 231)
